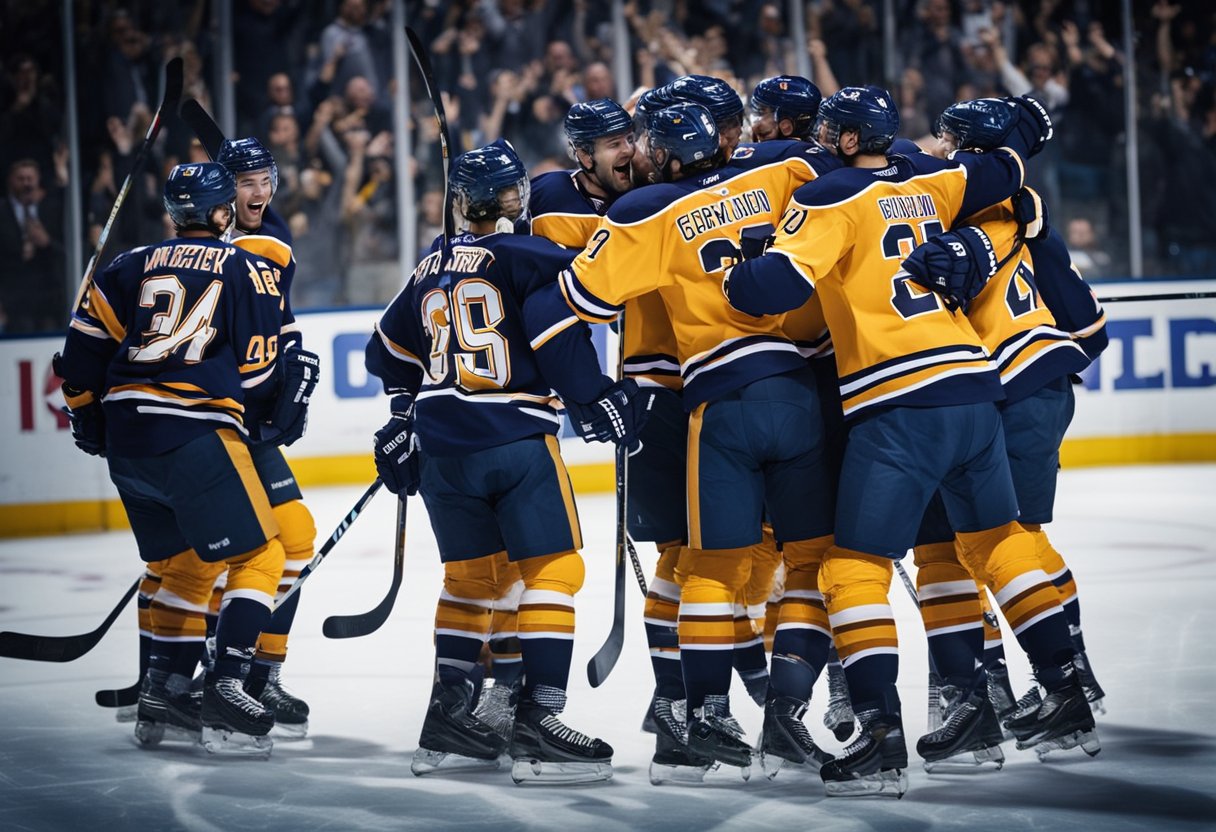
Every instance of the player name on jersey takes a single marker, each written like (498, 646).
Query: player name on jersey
(188, 256)
(723, 212)
(908, 207)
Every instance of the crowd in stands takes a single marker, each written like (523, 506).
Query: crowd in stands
(314, 81)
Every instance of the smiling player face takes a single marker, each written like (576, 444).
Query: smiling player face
(613, 155)
(252, 198)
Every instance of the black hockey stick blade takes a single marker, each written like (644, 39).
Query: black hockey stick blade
(605, 658)
(423, 60)
(362, 624)
(60, 648)
(200, 121)
(121, 698)
(168, 103)
(1162, 296)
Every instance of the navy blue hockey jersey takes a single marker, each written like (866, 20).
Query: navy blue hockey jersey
(483, 340)
(176, 338)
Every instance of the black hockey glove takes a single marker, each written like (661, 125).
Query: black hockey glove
(754, 244)
(956, 265)
(1031, 127)
(616, 416)
(301, 371)
(85, 414)
(397, 449)
(1030, 212)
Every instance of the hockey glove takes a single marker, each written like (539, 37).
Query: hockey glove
(956, 265)
(85, 414)
(616, 416)
(754, 244)
(397, 449)
(1030, 212)
(301, 372)
(1031, 127)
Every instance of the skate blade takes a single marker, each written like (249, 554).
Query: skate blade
(223, 742)
(524, 771)
(772, 764)
(127, 713)
(661, 774)
(427, 761)
(150, 734)
(1087, 740)
(964, 761)
(1098, 706)
(892, 783)
(289, 731)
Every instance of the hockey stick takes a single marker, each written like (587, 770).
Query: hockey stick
(354, 626)
(1165, 296)
(61, 648)
(935, 679)
(604, 660)
(123, 697)
(209, 134)
(423, 60)
(168, 103)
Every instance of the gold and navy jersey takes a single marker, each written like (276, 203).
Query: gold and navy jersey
(564, 213)
(482, 340)
(278, 258)
(678, 239)
(844, 236)
(1016, 327)
(177, 338)
(1061, 287)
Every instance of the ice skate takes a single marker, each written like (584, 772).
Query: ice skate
(167, 710)
(496, 708)
(452, 738)
(290, 711)
(233, 721)
(1062, 721)
(1001, 695)
(785, 738)
(673, 762)
(678, 709)
(1094, 694)
(838, 718)
(874, 764)
(970, 735)
(714, 734)
(545, 750)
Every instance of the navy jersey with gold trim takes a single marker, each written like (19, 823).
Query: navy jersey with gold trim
(483, 340)
(1067, 295)
(177, 338)
(677, 239)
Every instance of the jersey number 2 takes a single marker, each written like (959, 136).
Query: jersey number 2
(910, 300)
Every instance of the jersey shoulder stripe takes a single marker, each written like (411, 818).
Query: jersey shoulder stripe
(261, 245)
(556, 193)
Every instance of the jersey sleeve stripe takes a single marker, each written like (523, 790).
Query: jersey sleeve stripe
(99, 308)
(585, 304)
(258, 379)
(271, 248)
(84, 327)
(397, 350)
(558, 327)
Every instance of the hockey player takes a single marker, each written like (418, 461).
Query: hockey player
(1036, 358)
(723, 103)
(785, 107)
(168, 350)
(914, 368)
(736, 374)
(260, 230)
(471, 350)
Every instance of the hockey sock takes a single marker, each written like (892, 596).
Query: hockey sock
(994, 646)
(1004, 559)
(749, 658)
(147, 588)
(464, 612)
(803, 636)
(297, 530)
(248, 599)
(660, 615)
(506, 657)
(1061, 576)
(950, 609)
(546, 617)
(706, 620)
(855, 587)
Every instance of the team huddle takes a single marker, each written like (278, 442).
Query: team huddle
(834, 348)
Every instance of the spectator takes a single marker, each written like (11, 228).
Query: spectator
(29, 126)
(33, 290)
(598, 82)
(369, 214)
(280, 96)
(1088, 255)
(129, 73)
(346, 35)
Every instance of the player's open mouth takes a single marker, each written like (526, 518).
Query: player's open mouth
(622, 170)
(256, 207)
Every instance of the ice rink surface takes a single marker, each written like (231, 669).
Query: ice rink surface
(1141, 543)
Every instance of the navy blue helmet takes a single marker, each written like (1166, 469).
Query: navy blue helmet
(713, 94)
(789, 96)
(481, 176)
(981, 124)
(651, 101)
(869, 110)
(193, 191)
(686, 131)
(592, 120)
(246, 155)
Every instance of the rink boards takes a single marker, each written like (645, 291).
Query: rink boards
(1151, 397)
